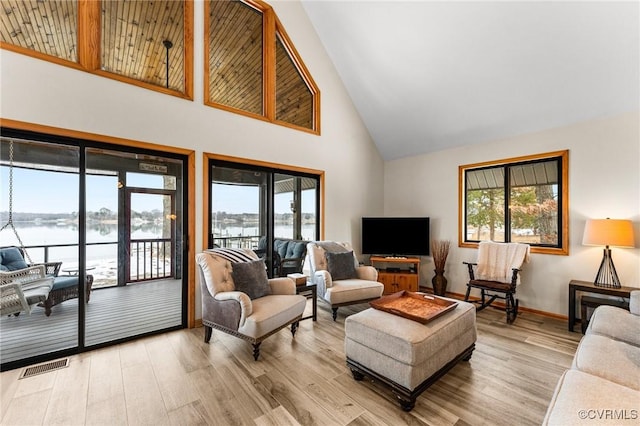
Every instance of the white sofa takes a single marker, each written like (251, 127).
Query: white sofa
(603, 384)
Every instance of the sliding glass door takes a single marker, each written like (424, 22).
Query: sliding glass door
(144, 202)
(110, 219)
(39, 210)
(252, 205)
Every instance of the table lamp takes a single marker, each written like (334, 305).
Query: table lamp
(608, 232)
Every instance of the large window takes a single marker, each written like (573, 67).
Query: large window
(142, 42)
(251, 204)
(252, 67)
(516, 200)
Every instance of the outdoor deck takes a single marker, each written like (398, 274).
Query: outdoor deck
(112, 313)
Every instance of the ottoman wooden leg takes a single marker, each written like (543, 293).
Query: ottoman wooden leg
(357, 375)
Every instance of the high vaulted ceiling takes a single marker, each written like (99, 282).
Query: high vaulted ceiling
(427, 75)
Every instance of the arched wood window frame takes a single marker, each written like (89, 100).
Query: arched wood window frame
(88, 45)
(271, 26)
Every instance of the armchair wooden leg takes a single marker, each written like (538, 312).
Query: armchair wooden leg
(294, 328)
(207, 333)
(334, 313)
(256, 351)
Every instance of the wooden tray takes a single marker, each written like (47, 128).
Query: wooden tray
(419, 307)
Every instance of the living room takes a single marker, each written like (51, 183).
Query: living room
(604, 177)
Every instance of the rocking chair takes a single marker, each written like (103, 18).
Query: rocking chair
(496, 275)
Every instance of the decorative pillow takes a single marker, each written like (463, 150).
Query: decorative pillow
(11, 259)
(341, 266)
(251, 278)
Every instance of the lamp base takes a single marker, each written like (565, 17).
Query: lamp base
(607, 275)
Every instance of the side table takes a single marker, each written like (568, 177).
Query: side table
(310, 291)
(589, 287)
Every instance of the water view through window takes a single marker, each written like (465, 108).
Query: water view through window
(43, 217)
(116, 214)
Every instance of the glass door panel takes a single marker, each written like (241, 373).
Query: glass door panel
(151, 236)
(238, 208)
(251, 206)
(42, 221)
(295, 207)
(138, 199)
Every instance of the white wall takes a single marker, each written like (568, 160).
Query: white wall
(604, 181)
(40, 92)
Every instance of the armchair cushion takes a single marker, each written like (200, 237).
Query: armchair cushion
(251, 278)
(341, 265)
(11, 259)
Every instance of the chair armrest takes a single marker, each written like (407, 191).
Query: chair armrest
(246, 307)
(32, 273)
(470, 266)
(323, 281)
(282, 285)
(51, 268)
(292, 259)
(44, 282)
(323, 278)
(366, 272)
(634, 302)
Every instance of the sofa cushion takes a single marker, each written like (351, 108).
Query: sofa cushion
(610, 359)
(65, 282)
(345, 291)
(615, 323)
(296, 249)
(584, 399)
(251, 278)
(11, 259)
(270, 312)
(341, 265)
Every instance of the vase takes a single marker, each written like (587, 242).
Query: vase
(439, 283)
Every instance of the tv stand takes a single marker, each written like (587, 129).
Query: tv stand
(397, 272)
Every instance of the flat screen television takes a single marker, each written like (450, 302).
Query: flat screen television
(395, 236)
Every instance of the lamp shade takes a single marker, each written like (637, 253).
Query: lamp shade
(608, 232)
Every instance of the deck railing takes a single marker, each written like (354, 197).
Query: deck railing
(240, 241)
(149, 259)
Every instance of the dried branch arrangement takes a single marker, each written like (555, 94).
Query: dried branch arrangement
(440, 251)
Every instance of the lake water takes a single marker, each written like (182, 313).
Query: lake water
(52, 234)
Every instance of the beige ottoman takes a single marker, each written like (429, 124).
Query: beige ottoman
(404, 354)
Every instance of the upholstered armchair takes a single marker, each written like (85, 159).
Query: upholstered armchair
(239, 299)
(340, 279)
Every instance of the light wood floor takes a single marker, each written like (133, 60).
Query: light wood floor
(176, 378)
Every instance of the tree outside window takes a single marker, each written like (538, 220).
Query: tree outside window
(519, 200)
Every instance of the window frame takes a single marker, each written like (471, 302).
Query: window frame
(208, 159)
(272, 28)
(563, 207)
(88, 41)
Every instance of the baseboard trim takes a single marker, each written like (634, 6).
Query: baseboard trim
(521, 308)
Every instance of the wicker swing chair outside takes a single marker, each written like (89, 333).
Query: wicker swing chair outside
(26, 285)
(23, 289)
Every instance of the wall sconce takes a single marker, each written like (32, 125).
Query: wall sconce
(608, 232)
